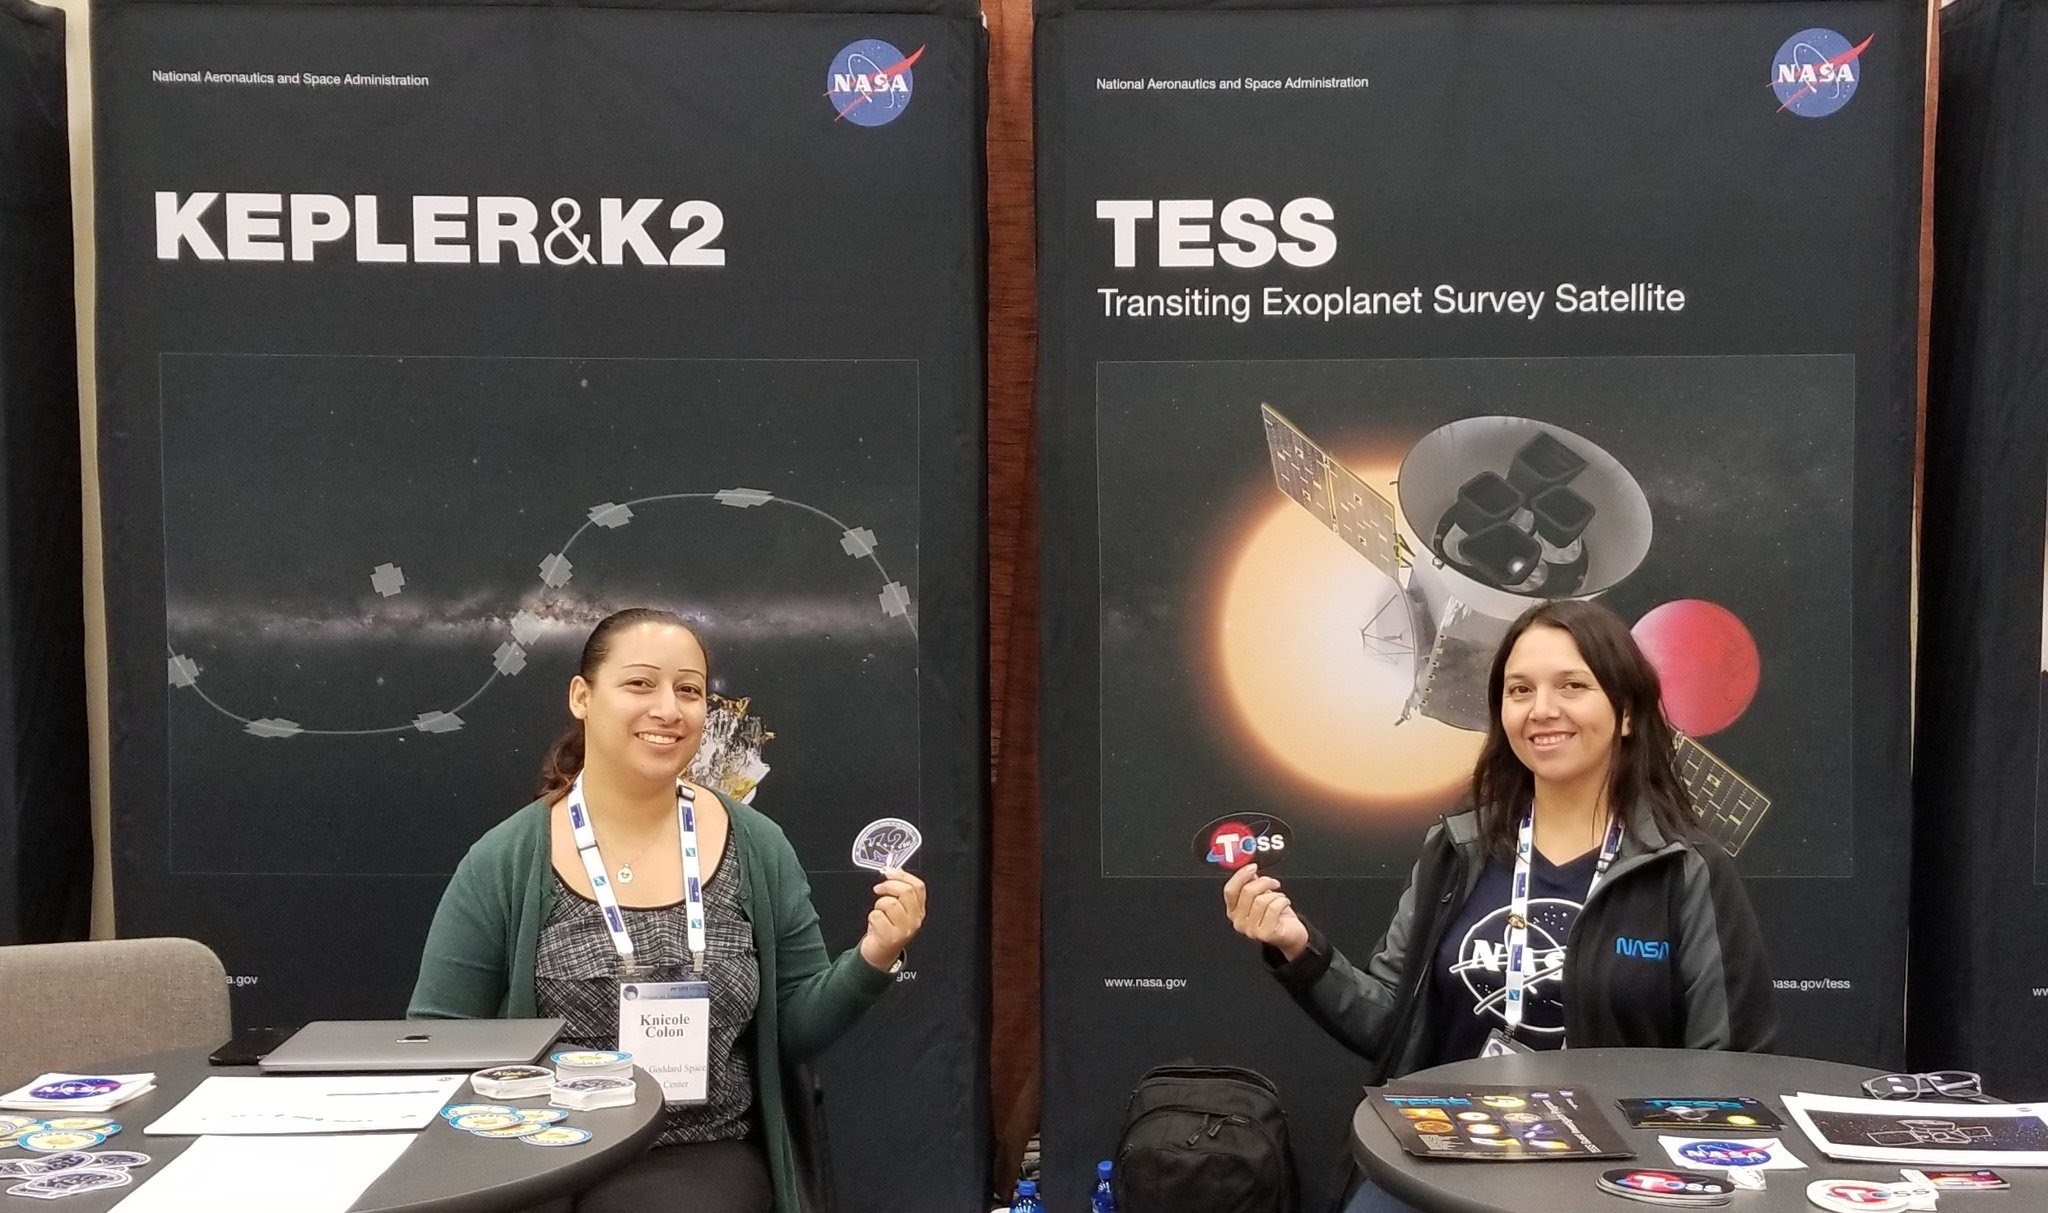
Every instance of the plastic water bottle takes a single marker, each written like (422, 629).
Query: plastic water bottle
(1104, 1200)
(1027, 1198)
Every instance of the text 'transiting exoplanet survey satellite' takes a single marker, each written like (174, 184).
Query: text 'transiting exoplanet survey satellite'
(1504, 511)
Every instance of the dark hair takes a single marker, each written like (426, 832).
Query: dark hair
(565, 758)
(1642, 782)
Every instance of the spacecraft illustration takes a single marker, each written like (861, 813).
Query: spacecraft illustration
(1494, 514)
(1926, 1132)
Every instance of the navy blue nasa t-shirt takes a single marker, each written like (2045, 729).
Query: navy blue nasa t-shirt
(1471, 964)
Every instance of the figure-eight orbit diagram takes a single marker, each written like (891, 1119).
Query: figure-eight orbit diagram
(509, 658)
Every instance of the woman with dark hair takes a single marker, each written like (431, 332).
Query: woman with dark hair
(1575, 901)
(622, 877)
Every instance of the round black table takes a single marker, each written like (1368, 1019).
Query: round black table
(444, 1170)
(1440, 1186)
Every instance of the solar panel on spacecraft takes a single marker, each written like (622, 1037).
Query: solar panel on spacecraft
(1330, 491)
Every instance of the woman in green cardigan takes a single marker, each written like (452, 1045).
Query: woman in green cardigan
(522, 929)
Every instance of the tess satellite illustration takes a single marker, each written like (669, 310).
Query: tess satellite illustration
(1495, 514)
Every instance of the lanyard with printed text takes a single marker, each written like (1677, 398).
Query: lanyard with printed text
(1520, 959)
(601, 885)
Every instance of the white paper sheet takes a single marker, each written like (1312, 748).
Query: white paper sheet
(364, 1103)
(275, 1174)
(1923, 1133)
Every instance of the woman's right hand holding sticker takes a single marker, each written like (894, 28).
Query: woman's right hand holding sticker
(1259, 910)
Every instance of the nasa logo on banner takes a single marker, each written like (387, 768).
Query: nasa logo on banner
(1235, 840)
(870, 82)
(1815, 72)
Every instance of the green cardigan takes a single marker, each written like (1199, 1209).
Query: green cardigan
(478, 961)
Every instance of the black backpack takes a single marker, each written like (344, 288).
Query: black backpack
(1205, 1139)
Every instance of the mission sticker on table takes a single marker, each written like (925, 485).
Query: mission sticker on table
(48, 1164)
(591, 1059)
(1726, 1114)
(514, 1074)
(524, 1128)
(11, 1136)
(118, 1158)
(452, 1111)
(1677, 1189)
(1498, 1124)
(53, 1142)
(1710, 1153)
(71, 1183)
(1957, 1181)
(82, 1124)
(557, 1135)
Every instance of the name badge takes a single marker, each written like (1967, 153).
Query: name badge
(1500, 1044)
(666, 1026)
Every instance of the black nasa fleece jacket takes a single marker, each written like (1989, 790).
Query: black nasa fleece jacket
(1666, 953)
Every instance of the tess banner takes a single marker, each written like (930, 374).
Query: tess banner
(1979, 979)
(45, 804)
(430, 335)
(1329, 293)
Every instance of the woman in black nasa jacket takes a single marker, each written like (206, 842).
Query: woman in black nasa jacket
(1639, 932)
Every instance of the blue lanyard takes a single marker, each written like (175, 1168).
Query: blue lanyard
(600, 880)
(1520, 961)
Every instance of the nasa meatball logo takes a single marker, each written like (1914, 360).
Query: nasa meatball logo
(1483, 958)
(870, 82)
(1724, 1154)
(1816, 71)
(1231, 842)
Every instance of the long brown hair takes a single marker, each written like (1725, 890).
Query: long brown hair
(565, 758)
(1642, 781)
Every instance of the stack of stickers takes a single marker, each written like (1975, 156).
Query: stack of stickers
(1694, 1189)
(589, 1079)
(592, 1063)
(502, 1122)
(65, 1094)
(60, 1162)
(512, 1082)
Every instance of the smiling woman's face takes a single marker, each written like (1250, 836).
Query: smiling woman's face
(643, 712)
(1558, 719)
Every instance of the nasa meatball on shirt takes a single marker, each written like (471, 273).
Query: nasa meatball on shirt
(1470, 968)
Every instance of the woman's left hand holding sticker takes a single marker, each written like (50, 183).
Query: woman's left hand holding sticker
(895, 920)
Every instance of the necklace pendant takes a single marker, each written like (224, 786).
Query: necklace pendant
(625, 874)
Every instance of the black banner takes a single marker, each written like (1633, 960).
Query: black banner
(1318, 281)
(45, 804)
(430, 334)
(1980, 901)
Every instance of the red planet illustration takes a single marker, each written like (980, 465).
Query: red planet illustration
(1706, 659)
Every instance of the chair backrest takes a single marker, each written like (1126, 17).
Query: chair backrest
(76, 1006)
